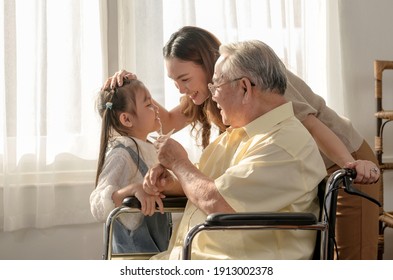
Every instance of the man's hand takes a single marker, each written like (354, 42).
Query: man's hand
(159, 181)
(170, 152)
(152, 178)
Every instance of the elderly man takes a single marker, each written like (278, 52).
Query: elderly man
(265, 161)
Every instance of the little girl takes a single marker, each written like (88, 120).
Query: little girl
(128, 116)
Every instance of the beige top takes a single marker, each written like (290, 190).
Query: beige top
(305, 102)
(272, 164)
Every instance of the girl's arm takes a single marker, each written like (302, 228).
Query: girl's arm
(148, 202)
(119, 195)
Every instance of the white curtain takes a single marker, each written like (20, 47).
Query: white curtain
(334, 74)
(53, 62)
(56, 54)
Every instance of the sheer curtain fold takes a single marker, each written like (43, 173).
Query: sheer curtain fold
(55, 61)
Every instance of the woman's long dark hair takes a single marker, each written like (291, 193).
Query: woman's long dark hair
(195, 44)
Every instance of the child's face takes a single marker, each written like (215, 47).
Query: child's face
(147, 119)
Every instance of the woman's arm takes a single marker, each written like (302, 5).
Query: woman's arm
(327, 141)
(173, 119)
(335, 150)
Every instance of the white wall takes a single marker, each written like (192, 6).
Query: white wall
(367, 32)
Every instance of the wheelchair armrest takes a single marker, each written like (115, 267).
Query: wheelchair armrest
(260, 218)
(169, 202)
(252, 220)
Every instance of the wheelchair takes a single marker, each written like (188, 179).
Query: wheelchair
(324, 224)
(132, 205)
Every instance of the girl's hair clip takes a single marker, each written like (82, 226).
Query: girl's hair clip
(108, 105)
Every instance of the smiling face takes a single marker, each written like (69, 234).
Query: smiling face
(140, 116)
(229, 97)
(146, 118)
(190, 78)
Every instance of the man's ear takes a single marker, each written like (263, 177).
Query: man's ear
(244, 85)
(247, 89)
(126, 119)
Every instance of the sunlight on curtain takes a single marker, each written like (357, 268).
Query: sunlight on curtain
(295, 29)
(335, 96)
(54, 61)
(140, 42)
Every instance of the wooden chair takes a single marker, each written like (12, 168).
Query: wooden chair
(383, 117)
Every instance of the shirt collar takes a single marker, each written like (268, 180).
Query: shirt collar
(270, 119)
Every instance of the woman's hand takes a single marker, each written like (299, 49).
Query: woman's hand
(367, 171)
(117, 79)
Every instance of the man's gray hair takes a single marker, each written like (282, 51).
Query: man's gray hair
(257, 61)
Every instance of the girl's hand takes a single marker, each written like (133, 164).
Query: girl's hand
(367, 171)
(117, 79)
(149, 202)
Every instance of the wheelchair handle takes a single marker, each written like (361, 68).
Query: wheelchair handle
(349, 175)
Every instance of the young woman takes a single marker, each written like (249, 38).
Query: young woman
(128, 116)
(190, 55)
